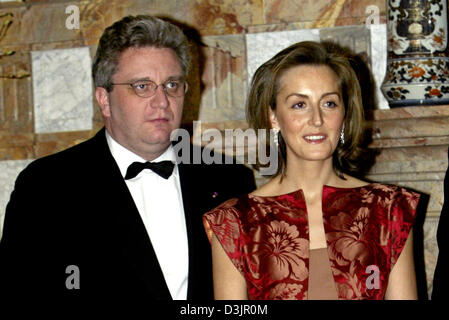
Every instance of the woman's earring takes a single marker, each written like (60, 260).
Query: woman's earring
(342, 134)
(276, 137)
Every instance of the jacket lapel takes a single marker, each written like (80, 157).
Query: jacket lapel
(135, 244)
(200, 262)
(187, 199)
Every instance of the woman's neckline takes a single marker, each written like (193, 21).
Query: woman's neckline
(324, 188)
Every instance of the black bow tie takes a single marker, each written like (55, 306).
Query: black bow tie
(163, 168)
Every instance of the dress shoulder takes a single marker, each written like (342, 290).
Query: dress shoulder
(222, 218)
(398, 207)
(403, 217)
(401, 201)
(225, 223)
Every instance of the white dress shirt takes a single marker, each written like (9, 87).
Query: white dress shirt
(160, 206)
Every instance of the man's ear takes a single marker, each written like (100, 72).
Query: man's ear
(102, 97)
(273, 119)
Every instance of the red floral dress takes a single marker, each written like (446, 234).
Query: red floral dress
(267, 239)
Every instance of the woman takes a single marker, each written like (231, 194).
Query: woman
(313, 231)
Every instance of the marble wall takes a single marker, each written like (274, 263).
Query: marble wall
(62, 102)
(46, 94)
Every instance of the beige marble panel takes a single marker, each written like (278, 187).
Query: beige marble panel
(57, 45)
(97, 15)
(16, 103)
(409, 112)
(430, 250)
(277, 11)
(208, 17)
(10, 25)
(411, 127)
(409, 142)
(224, 79)
(46, 22)
(403, 166)
(359, 8)
(409, 176)
(300, 25)
(220, 17)
(49, 143)
(323, 13)
(17, 153)
(418, 155)
(16, 146)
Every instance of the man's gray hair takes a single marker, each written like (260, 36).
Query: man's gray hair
(136, 32)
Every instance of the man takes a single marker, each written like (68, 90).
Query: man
(91, 221)
(441, 278)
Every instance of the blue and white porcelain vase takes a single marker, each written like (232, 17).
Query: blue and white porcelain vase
(418, 60)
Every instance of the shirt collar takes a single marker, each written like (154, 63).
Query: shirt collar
(125, 157)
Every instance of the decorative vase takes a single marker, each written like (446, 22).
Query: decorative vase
(418, 61)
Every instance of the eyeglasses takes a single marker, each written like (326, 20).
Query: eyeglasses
(147, 88)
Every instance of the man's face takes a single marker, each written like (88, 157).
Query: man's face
(143, 125)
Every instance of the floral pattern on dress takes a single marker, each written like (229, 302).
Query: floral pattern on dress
(285, 291)
(347, 241)
(281, 255)
(267, 238)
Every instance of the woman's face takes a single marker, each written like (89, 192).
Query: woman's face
(309, 112)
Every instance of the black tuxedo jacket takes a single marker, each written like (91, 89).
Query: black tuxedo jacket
(74, 209)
